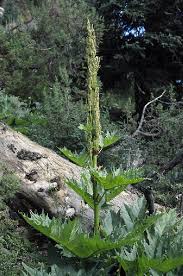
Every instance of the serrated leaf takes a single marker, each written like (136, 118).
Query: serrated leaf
(81, 159)
(53, 228)
(64, 270)
(81, 192)
(139, 228)
(143, 264)
(161, 265)
(55, 271)
(166, 265)
(109, 139)
(79, 244)
(117, 180)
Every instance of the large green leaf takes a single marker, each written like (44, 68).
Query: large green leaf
(161, 265)
(125, 219)
(74, 185)
(117, 179)
(81, 159)
(69, 236)
(160, 242)
(53, 228)
(139, 228)
(143, 264)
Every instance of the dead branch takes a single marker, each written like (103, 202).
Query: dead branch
(178, 159)
(143, 116)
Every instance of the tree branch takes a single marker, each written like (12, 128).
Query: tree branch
(143, 115)
(178, 159)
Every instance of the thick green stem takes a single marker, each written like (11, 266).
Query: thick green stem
(95, 199)
(96, 218)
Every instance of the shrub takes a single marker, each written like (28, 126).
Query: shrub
(61, 116)
(32, 54)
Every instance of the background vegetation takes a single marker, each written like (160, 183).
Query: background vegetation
(43, 85)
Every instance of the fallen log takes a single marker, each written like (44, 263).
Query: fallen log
(42, 173)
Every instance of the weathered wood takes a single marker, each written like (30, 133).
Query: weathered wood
(43, 173)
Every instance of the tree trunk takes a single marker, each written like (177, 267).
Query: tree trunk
(42, 173)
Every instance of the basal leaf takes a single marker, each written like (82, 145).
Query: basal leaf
(64, 270)
(138, 231)
(68, 235)
(160, 265)
(166, 265)
(53, 228)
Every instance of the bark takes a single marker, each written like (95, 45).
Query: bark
(42, 173)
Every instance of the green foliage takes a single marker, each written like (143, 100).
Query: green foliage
(145, 245)
(14, 247)
(81, 159)
(132, 236)
(32, 54)
(161, 249)
(109, 139)
(9, 183)
(81, 189)
(53, 123)
(65, 271)
(117, 178)
(116, 181)
(69, 235)
(17, 114)
(61, 117)
(55, 271)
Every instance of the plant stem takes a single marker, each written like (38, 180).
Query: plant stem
(95, 200)
(93, 120)
(96, 209)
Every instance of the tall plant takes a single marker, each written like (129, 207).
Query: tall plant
(105, 186)
(93, 120)
(122, 231)
(99, 187)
